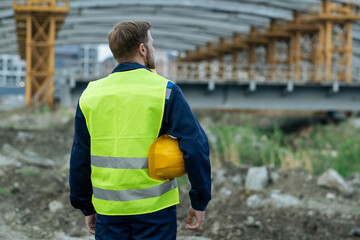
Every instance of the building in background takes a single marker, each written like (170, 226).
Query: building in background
(12, 71)
(107, 66)
(66, 56)
(75, 63)
(88, 58)
(81, 61)
(12, 75)
(83, 58)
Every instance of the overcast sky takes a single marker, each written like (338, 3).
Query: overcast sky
(103, 52)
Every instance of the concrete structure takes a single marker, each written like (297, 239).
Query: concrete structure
(237, 96)
(184, 25)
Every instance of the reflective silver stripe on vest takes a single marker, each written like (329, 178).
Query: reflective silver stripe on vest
(134, 194)
(119, 163)
(168, 92)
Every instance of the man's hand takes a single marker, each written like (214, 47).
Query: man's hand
(199, 216)
(90, 223)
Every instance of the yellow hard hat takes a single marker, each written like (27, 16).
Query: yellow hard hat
(166, 160)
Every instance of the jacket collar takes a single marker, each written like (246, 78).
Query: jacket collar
(122, 67)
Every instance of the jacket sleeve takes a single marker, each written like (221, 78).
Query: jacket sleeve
(80, 168)
(181, 122)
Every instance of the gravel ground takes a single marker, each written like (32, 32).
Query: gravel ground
(34, 193)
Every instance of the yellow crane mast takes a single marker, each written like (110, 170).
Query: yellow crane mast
(37, 22)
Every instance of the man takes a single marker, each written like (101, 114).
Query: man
(117, 119)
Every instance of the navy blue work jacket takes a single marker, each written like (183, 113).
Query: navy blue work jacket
(178, 121)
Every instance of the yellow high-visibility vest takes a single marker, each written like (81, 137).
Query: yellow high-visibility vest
(123, 114)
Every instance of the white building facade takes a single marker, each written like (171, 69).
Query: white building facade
(12, 71)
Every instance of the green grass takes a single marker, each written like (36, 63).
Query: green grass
(315, 148)
(4, 191)
(183, 180)
(246, 145)
(348, 159)
(354, 210)
(44, 110)
(29, 172)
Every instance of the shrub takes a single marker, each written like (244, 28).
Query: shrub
(315, 148)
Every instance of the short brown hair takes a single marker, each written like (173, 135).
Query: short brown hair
(125, 37)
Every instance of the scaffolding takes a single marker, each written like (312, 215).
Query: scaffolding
(37, 23)
(315, 47)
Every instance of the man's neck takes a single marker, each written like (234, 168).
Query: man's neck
(137, 59)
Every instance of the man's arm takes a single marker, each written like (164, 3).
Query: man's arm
(80, 168)
(181, 123)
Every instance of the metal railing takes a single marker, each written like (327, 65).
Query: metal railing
(204, 72)
(280, 73)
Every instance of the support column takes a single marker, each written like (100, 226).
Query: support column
(42, 19)
(272, 59)
(221, 66)
(328, 50)
(52, 33)
(189, 71)
(28, 80)
(297, 57)
(208, 69)
(196, 70)
(348, 72)
(252, 61)
(41, 43)
(180, 70)
(319, 55)
(235, 62)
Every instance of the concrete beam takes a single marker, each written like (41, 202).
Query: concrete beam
(234, 96)
(265, 97)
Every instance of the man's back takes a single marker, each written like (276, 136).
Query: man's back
(116, 121)
(123, 113)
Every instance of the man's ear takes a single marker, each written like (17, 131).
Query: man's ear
(142, 49)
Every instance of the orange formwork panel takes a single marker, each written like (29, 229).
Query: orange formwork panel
(37, 22)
